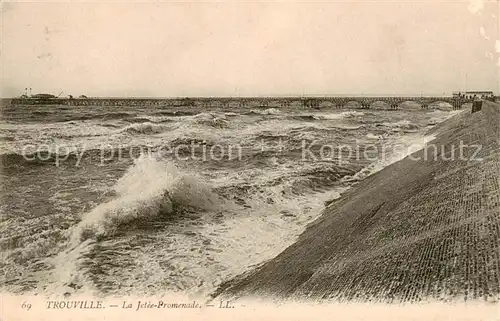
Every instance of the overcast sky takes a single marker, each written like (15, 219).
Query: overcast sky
(252, 48)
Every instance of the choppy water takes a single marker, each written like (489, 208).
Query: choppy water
(83, 211)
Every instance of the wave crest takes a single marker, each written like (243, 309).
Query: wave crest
(149, 188)
(342, 115)
(146, 128)
(211, 120)
(402, 124)
(268, 111)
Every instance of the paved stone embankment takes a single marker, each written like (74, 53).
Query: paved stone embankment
(418, 230)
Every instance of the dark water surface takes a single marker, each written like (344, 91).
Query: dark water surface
(82, 210)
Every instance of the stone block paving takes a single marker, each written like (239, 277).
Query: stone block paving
(419, 230)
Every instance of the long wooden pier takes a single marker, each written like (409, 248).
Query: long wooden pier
(388, 102)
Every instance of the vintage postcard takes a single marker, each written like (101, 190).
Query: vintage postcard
(248, 160)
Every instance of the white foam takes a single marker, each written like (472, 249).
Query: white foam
(145, 128)
(268, 111)
(393, 152)
(342, 115)
(150, 187)
(371, 136)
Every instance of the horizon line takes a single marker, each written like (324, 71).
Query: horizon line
(269, 96)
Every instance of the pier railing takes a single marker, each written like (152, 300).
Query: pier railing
(254, 102)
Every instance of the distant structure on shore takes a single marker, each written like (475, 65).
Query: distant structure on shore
(473, 94)
(43, 98)
(38, 99)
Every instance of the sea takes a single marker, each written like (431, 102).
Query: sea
(159, 200)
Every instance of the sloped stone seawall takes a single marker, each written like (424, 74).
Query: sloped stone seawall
(424, 228)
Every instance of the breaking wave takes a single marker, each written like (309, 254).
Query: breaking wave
(342, 115)
(214, 120)
(399, 149)
(268, 111)
(146, 128)
(175, 113)
(105, 116)
(403, 125)
(332, 116)
(304, 117)
(210, 119)
(149, 188)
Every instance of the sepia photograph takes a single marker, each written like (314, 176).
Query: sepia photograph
(248, 160)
